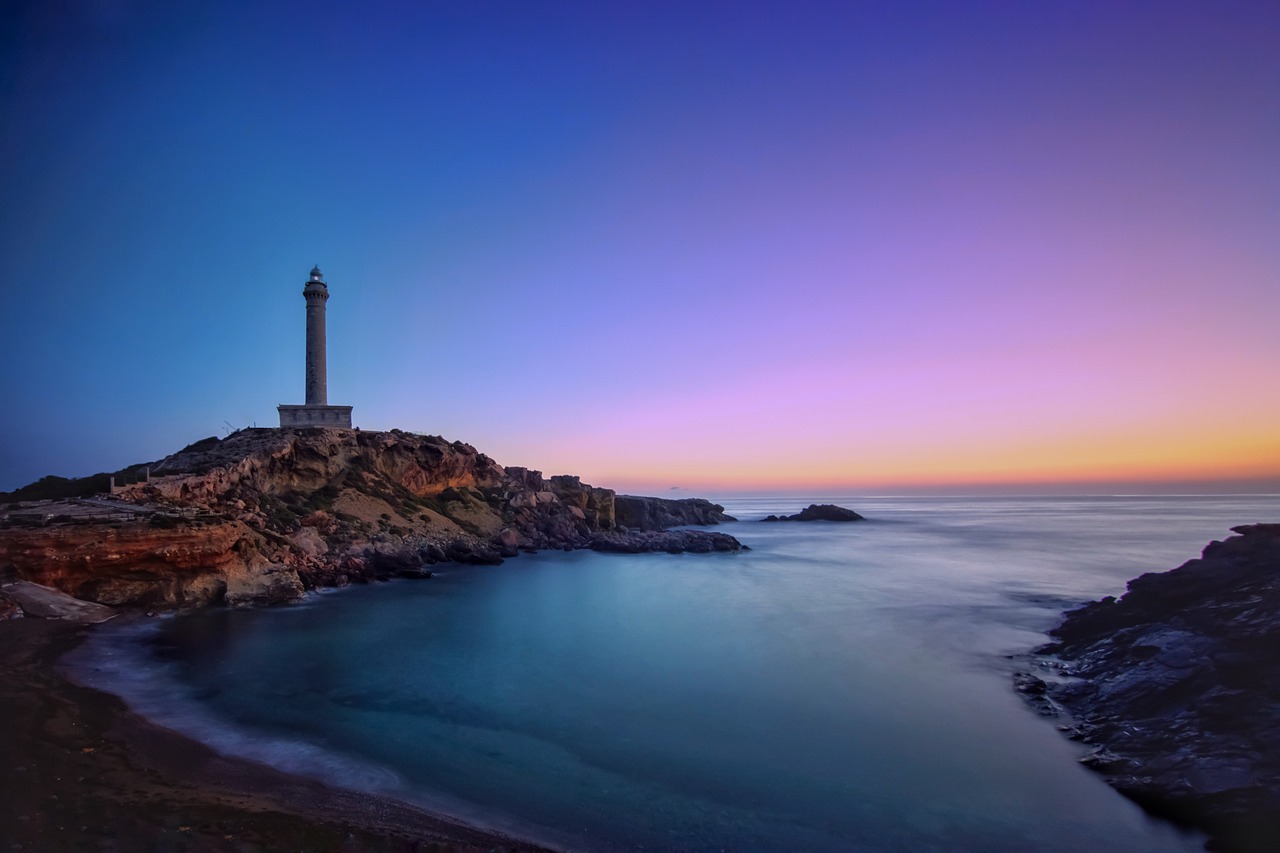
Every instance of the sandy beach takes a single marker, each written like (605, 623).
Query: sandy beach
(80, 771)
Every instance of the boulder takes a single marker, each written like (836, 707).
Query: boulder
(309, 541)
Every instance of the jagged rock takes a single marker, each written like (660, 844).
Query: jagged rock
(522, 500)
(508, 542)
(387, 560)
(670, 541)
(1176, 686)
(525, 479)
(641, 513)
(473, 554)
(597, 505)
(272, 584)
(819, 512)
(309, 541)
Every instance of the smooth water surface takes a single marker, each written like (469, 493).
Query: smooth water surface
(838, 687)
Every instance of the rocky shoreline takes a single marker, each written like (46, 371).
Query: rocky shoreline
(1175, 687)
(264, 515)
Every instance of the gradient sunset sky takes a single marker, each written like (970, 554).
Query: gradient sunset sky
(840, 246)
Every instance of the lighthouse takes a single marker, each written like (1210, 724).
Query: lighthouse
(316, 411)
(316, 292)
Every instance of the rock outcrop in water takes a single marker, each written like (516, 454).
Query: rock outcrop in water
(1176, 687)
(819, 512)
(265, 514)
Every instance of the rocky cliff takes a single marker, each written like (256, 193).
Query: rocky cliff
(640, 513)
(1176, 688)
(264, 514)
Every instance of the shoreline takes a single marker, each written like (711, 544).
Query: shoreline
(80, 769)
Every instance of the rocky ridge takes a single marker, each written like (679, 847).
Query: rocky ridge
(1176, 689)
(265, 514)
(639, 513)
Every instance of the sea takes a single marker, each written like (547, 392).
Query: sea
(838, 687)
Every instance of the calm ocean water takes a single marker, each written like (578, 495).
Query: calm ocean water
(838, 687)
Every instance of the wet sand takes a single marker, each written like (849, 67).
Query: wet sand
(80, 771)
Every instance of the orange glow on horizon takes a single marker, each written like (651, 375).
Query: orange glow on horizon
(1251, 459)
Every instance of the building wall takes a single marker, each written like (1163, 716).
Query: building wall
(337, 417)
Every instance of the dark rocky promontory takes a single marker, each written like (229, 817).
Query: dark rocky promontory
(819, 512)
(1176, 688)
(638, 513)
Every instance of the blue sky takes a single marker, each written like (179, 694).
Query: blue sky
(699, 244)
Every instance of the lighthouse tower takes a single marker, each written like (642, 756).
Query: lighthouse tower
(316, 292)
(316, 411)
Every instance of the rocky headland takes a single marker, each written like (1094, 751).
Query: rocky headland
(637, 513)
(819, 512)
(1176, 689)
(265, 514)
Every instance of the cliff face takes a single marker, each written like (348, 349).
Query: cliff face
(264, 514)
(134, 562)
(1176, 686)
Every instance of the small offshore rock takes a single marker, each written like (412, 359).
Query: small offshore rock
(819, 512)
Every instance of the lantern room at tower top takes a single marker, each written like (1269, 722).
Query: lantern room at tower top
(316, 411)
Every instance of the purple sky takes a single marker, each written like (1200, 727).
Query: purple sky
(750, 245)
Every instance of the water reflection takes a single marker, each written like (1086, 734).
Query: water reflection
(837, 687)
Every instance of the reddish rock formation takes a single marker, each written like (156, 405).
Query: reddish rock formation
(262, 515)
(139, 563)
(276, 462)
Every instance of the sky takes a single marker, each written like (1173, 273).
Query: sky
(871, 247)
